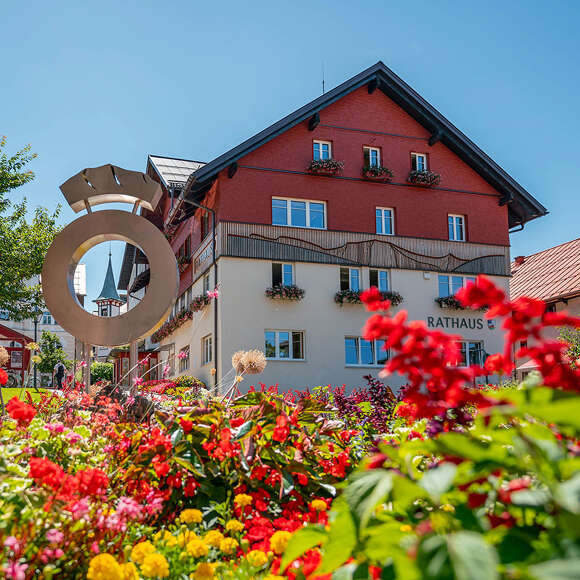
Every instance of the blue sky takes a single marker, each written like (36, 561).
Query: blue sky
(87, 83)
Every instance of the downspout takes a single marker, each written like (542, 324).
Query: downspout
(215, 275)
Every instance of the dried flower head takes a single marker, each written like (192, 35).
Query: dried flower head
(3, 356)
(254, 362)
(237, 361)
(32, 346)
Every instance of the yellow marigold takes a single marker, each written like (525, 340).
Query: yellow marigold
(257, 558)
(141, 550)
(104, 567)
(204, 571)
(318, 505)
(190, 516)
(185, 537)
(447, 507)
(130, 571)
(228, 546)
(169, 539)
(243, 499)
(155, 566)
(197, 548)
(279, 540)
(213, 538)
(405, 528)
(234, 526)
(273, 577)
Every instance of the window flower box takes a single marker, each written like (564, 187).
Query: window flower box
(426, 178)
(377, 173)
(199, 302)
(325, 166)
(285, 293)
(172, 325)
(353, 297)
(451, 303)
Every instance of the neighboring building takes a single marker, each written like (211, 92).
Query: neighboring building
(18, 366)
(282, 220)
(552, 275)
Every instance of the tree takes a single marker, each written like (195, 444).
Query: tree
(23, 243)
(101, 371)
(51, 353)
(572, 337)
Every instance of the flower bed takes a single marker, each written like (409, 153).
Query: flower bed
(377, 173)
(325, 167)
(445, 482)
(354, 297)
(426, 178)
(285, 293)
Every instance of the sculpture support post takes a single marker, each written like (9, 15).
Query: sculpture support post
(133, 370)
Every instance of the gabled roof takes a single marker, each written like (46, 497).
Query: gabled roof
(523, 207)
(551, 275)
(173, 172)
(109, 292)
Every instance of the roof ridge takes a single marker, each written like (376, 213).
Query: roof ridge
(550, 248)
(175, 158)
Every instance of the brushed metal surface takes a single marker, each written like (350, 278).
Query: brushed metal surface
(65, 253)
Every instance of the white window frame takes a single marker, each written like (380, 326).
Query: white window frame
(289, 201)
(184, 362)
(320, 144)
(359, 358)
(206, 349)
(414, 162)
(351, 272)
(464, 281)
(384, 221)
(387, 276)
(277, 344)
(455, 217)
(468, 362)
(47, 318)
(370, 149)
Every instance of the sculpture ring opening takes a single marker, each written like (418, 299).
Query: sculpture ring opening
(65, 253)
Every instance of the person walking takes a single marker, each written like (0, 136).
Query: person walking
(59, 371)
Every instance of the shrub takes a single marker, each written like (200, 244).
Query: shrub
(102, 371)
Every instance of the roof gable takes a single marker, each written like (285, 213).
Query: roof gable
(522, 206)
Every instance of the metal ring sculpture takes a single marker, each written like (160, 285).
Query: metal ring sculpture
(104, 185)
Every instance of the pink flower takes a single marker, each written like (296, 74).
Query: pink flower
(73, 437)
(55, 427)
(95, 547)
(54, 536)
(80, 509)
(138, 381)
(182, 354)
(213, 293)
(128, 508)
(166, 370)
(130, 400)
(15, 571)
(12, 543)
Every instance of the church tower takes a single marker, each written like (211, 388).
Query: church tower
(109, 302)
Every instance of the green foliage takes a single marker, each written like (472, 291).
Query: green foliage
(572, 337)
(23, 243)
(51, 352)
(102, 371)
(500, 499)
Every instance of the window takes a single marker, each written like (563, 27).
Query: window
(551, 307)
(205, 224)
(361, 352)
(449, 285)
(523, 344)
(206, 349)
(384, 217)
(284, 344)
(350, 279)
(372, 156)
(4, 315)
(206, 284)
(471, 353)
(297, 213)
(456, 225)
(47, 318)
(321, 150)
(380, 279)
(282, 274)
(104, 310)
(183, 359)
(418, 162)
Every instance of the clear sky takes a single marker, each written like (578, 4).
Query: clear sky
(87, 83)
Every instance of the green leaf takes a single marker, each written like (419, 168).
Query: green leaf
(287, 482)
(472, 558)
(438, 480)
(567, 494)
(365, 491)
(530, 497)
(302, 541)
(341, 540)
(562, 412)
(243, 430)
(557, 570)
(405, 492)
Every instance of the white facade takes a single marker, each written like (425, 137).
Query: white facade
(245, 314)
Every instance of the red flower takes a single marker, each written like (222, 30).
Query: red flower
(281, 431)
(186, 425)
(20, 411)
(475, 500)
(90, 482)
(45, 472)
(373, 300)
(3, 377)
(190, 486)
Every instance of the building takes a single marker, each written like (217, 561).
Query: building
(14, 335)
(366, 185)
(552, 275)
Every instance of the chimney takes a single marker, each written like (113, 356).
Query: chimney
(519, 260)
